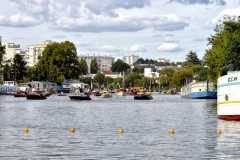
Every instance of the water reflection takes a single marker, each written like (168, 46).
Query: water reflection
(146, 127)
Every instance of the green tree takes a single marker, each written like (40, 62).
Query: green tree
(180, 77)
(192, 57)
(94, 66)
(166, 77)
(58, 58)
(224, 45)
(99, 78)
(129, 80)
(139, 61)
(2, 52)
(83, 66)
(120, 66)
(18, 67)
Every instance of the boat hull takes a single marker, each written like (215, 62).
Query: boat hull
(79, 98)
(121, 93)
(19, 95)
(201, 95)
(199, 90)
(228, 101)
(35, 97)
(143, 97)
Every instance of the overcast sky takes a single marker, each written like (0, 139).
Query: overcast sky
(149, 28)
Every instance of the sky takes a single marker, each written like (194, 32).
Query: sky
(151, 29)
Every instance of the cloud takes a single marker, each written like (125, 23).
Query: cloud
(138, 48)
(37, 8)
(206, 2)
(59, 36)
(169, 34)
(217, 20)
(170, 40)
(81, 43)
(18, 20)
(157, 35)
(169, 47)
(107, 7)
(78, 35)
(122, 23)
(109, 49)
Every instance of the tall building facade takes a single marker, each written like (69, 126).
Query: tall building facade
(33, 51)
(130, 59)
(11, 49)
(163, 60)
(104, 62)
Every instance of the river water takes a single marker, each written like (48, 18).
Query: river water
(146, 125)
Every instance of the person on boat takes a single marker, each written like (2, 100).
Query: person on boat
(231, 67)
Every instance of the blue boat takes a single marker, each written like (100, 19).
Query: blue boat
(199, 90)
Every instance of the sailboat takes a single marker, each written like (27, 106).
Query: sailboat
(122, 91)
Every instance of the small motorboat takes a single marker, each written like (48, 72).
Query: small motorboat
(80, 96)
(106, 94)
(36, 95)
(19, 94)
(96, 93)
(143, 96)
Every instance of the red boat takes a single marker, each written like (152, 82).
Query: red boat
(19, 94)
(96, 93)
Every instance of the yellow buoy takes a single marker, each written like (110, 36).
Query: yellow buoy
(120, 130)
(219, 131)
(171, 131)
(26, 130)
(72, 129)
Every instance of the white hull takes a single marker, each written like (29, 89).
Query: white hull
(121, 93)
(228, 98)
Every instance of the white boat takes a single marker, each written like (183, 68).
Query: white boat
(228, 101)
(122, 92)
(199, 90)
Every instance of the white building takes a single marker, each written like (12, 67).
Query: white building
(163, 60)
(104, 62)
(33, 51)
(11, 49)
(130, 59)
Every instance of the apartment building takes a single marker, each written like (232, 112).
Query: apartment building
(130, 59)
(11, 50)
(104, 62)
(33, 51)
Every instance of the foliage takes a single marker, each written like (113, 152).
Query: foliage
(129, 80)
(180, 76)
(224, 45)
(94, 66)
(83, 66)
(18, 67)
(99, 78)
(2, 52)
(165, 77)
(108, 80)
(119, 66)
(192, 57)
(58, 58)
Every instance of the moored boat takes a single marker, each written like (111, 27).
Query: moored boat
(199, 90)
(228, 102)
(80, 96)
(36, 95)
(19, 94)
(143, 96)
(96, 93)
(106, 94)
(121, 92)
